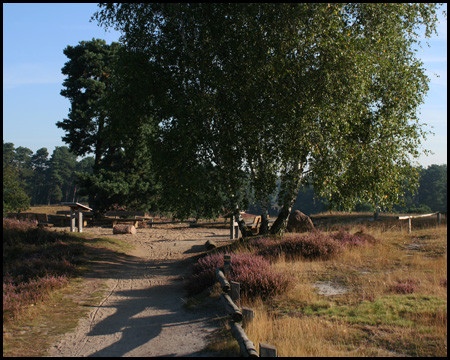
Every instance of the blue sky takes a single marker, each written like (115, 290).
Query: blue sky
(35, 35)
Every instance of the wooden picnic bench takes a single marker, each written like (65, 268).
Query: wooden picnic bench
(125, 217)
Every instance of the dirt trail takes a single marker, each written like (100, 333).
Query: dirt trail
(142, 312)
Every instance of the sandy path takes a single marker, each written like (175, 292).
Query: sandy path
(142, 313)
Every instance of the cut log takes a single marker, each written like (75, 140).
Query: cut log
(210, 245)
(124, 229)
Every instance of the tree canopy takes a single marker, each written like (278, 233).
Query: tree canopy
(255, 92)
(103, 120)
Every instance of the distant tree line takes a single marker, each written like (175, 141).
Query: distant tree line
(35, 179)
(431, 196)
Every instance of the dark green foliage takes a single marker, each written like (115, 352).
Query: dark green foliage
(107, 119)
(257, 91)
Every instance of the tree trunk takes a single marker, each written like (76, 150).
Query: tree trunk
(281, 222)
(264, 228)
(245, 231)
(290, 192)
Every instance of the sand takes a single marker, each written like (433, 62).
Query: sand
(142, 312)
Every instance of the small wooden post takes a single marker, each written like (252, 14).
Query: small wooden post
(266, 350)
(232, 227)
(247, 316)
(80, 221)
(439, 219)
(72, 220)
(409, 225)
(226, 264)
(236, 292)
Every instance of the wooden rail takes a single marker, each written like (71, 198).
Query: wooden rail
(409, 218)
(244, 316)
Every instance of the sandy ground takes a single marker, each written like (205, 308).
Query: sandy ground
(142, 312)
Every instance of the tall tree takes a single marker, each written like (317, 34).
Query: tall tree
(61, 170)
(40, 163)
(88, 70)
(104, 120)
(15, 197)
(433, 187)
(330, 91)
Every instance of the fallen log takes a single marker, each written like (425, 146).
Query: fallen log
(210, 245)
(124, 229)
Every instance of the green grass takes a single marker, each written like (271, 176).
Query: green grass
(397, 310)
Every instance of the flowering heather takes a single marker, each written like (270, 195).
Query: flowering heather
(17, 295)
(350, 240)
(314, 245)
(407, 286)
(35, 261)
(256, 277)
(23, 225)
(252, 272)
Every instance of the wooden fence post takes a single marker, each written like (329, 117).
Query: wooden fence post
(266, 350)
(236, 292)
(247, 316)
(226, 264)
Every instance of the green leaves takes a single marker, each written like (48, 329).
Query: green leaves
(269, 91)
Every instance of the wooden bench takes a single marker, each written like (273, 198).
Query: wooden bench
(256, 223)
(123, 217)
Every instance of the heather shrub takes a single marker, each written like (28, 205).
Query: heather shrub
(256, 277)
(35, 261)
(18, 294)
(314, 245)
(23, 225)
(253, 272)
(407, 286)
(350, 240)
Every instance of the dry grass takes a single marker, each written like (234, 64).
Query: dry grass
(375, 318)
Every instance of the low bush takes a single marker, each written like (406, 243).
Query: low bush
(253, 272)
(407, 286)
(35, 261)
(349, 240)
(314, 245)
(17, 294)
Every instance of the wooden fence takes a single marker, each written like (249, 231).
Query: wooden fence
(239, 315)
(409, 218)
